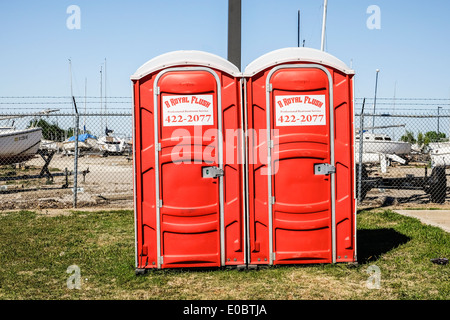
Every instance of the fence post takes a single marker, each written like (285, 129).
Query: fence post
(75, 165)
(361, 131)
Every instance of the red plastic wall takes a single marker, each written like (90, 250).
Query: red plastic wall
(301, 211)
(190, 222)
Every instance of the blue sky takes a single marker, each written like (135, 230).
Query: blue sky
(411, 49)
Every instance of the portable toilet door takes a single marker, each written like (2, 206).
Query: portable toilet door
(300, 171)
(188, 172)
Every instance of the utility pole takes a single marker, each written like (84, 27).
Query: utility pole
(234, 32)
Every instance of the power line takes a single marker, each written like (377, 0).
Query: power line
(112, 114)
(411, 104)
(129, 97)
(58, 102)
(59, 97)
(411, 99)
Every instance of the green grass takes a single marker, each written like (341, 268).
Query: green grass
(37, 249)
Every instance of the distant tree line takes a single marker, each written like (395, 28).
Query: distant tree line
(424, 139)
(51, 131)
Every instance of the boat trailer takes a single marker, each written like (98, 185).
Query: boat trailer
(434, 184)
(47, 155)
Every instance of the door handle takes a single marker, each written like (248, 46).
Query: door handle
(324, 169)
(212, 172)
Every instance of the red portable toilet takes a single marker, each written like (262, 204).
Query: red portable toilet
(188, 154)
(301, 181)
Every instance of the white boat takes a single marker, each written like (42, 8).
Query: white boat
(382, 143)
(86, 142)
(111, 144)
(381, 149)
(439, 153)
(18, 145)
(51, 145)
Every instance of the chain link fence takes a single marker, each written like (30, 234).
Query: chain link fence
(402, 150)
(43, 165)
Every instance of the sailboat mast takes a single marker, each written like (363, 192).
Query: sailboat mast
(324, 21)
(393, 118)
(101, 102)
(70, 72)
(106, 85)
(71, 90)
(85, 93)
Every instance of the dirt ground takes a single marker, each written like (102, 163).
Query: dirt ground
(108, 184)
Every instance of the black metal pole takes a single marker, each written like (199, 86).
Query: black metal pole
(75, 165)
(234, 32)
(298, 29)
(361, 141)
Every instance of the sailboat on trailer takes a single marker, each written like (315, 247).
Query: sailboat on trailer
(109, 143)
(86, 141)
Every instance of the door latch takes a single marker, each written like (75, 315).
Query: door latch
(324, 169)
(212, 172)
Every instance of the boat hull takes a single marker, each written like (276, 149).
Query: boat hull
(440, 154)
(386, 147)
(51, 145)
(111, 145)
(19, 145)
(88, 144)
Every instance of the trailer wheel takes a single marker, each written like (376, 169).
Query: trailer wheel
(438, 185)
(364, 186)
